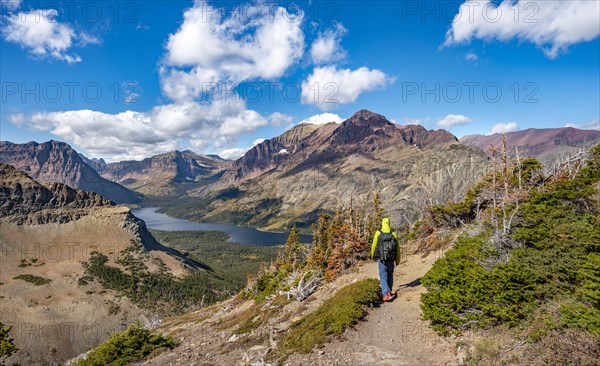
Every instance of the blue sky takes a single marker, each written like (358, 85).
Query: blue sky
(132, 79)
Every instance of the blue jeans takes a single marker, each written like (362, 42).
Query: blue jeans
(386, 275)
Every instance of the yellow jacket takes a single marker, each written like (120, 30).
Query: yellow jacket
(385, 227)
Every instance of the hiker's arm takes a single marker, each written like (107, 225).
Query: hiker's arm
(374, 245)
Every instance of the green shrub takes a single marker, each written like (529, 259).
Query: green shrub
(36, 280)
(332, 318)
(462, 292)
(458, 214)
(269, 283)
(551, 252)
(122, 348)
(577, 315)
(7, 344)
(590, 273)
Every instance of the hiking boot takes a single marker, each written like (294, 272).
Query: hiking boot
(387, 297)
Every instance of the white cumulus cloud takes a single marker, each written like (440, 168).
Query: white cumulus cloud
(452, 120)
(551, 25)
(10, 5)
(323, 118)
(233, 153)
(504, 128)
(412, 121)
(329, 86)
(593, 125)
(210, 47)
(135, 135)
(42, 35)
(471, 56)
(278, 119)
(327, 47)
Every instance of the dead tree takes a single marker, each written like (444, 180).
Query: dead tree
(304, 288)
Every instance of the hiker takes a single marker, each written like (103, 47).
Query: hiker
(386, 249)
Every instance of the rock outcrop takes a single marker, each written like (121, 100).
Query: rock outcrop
(25, 201)
(57, 162)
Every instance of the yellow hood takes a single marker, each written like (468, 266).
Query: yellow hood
(385, 225)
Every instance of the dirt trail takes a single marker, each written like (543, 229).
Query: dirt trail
(392, 334)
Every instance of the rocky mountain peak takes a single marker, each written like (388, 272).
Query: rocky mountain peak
(364, 127)
(309, 144)
(420, 136)
(365, 116)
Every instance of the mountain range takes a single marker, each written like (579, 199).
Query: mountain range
(547, 144)
(291, 178)
(161, 174)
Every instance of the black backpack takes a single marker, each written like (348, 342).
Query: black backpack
(386, 246)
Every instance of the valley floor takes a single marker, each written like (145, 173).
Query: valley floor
(392, 334)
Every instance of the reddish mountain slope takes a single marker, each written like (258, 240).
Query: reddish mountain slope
(546, 144)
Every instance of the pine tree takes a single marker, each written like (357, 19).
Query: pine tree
(347, 246)
(374, 217)
(322, 238)
(293, 250)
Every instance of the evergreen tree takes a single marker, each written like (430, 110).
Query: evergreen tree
(374, 217)
(293, 250)
(322, 238)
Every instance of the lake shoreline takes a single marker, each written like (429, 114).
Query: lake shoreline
(162, 210)
(161, 221)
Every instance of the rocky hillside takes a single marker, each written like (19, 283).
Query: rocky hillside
(162, 174)
(309, 296)
(286, 181)
(46, 233)
(547, 144)
(57, 162)
(269, 154)
(25, 201)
